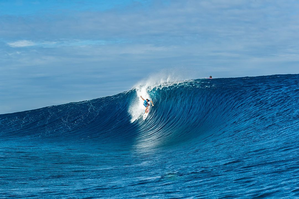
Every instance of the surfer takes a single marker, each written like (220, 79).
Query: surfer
(147, 103)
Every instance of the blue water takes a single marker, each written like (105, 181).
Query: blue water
(212, 138)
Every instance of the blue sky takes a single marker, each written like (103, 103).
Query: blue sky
(54, 52)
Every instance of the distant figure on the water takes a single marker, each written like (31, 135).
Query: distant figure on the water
(210, 77)
(147, 103)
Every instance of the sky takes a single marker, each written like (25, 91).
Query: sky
(59, 51)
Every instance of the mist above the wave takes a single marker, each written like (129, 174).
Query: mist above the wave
(164, 78)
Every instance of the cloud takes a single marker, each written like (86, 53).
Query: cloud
(176, 23)
(21, 43)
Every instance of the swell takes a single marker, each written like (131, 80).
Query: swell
(99, 118)
(183, 111)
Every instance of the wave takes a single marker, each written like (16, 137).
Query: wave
(184, 111)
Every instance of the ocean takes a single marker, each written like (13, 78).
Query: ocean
(204, 138)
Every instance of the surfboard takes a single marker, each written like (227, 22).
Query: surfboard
(145, 115)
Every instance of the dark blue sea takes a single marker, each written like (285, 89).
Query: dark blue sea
(204, 138)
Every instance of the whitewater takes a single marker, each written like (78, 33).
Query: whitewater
(204, 138)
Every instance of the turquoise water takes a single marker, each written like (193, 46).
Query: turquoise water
(217, 138)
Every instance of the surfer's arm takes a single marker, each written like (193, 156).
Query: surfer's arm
(141, 97)
(152, 103)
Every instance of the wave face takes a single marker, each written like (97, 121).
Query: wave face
(230, 137)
